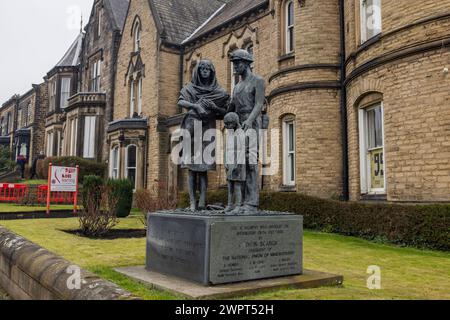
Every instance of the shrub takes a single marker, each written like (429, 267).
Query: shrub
(91, 191)
(6, 164)
(98, 216)
(423, 226)
(122, 190)
(87, 167)
(147, 203)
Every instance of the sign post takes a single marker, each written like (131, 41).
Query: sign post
(49, 187)
(63, 179)
(75, 197)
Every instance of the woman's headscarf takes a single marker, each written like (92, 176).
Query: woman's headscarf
(196, 89)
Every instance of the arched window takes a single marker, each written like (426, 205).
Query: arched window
(289, 151)
(114, 163)
(289, 27)
(137, 36)
(131, 163)
(372, 147)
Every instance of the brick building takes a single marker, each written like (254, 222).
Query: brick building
(356, 90)
(84, 86)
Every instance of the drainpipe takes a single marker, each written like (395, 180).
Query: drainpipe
(343, 103)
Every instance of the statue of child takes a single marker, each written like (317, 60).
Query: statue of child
(234, 163)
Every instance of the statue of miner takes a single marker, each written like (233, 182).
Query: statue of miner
(248, 101)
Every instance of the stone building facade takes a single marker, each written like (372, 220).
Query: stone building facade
(356, 90)
(88, 69)
(30, 123)
(7, 121)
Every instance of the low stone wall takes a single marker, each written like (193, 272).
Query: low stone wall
(29, 272)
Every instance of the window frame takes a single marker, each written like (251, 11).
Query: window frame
(139, 96)
(364, 32)
(112, 169)
(128, 167)
(89, 137)
(95, 76)
(50, 143)
(365, 159)
(137, 36)
(132, 98)
(65, 104)
(287, 170)
(73, 137)
(289, 29)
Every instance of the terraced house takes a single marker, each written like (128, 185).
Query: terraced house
(82, 85)
(356, 88)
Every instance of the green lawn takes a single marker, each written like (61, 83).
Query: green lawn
(13, 208)
(35, 182)
(406, 273)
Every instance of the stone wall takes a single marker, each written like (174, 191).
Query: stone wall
(29, 272)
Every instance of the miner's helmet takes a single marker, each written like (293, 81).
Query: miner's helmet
(241, 55)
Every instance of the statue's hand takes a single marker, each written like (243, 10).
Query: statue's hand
(247, 125)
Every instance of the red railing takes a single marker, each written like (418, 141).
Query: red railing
(12, 192)
(55, 197)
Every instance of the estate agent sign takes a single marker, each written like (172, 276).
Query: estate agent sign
(62, 179)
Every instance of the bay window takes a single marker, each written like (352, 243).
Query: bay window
(114, 163)
(131, 163)
(65, 92)
(89, 137)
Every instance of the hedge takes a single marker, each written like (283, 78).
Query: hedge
(422, 226)
(87, 167)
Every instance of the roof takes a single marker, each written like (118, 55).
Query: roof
(117, 10)
(72, 56)
(232, 10)
(180, 18)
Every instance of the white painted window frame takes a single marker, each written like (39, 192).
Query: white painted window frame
(89, 137)
(132, 97)
(114, 172)
(364, 20)
(128, 167)
(50, 143)
(139, 89)
(289, 28)
(137, 36)
(73, 136)
(365, 174)
(286, 152)
(65, 95)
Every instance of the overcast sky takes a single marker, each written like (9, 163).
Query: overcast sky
(34, 36)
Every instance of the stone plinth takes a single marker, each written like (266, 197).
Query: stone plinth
(218, 249)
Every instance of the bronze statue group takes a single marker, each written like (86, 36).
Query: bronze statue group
(206, 102)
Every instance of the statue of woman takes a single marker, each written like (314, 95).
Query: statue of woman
(206, 103)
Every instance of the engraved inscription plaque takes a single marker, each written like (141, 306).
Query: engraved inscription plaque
(255, 249)
(177, 247)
